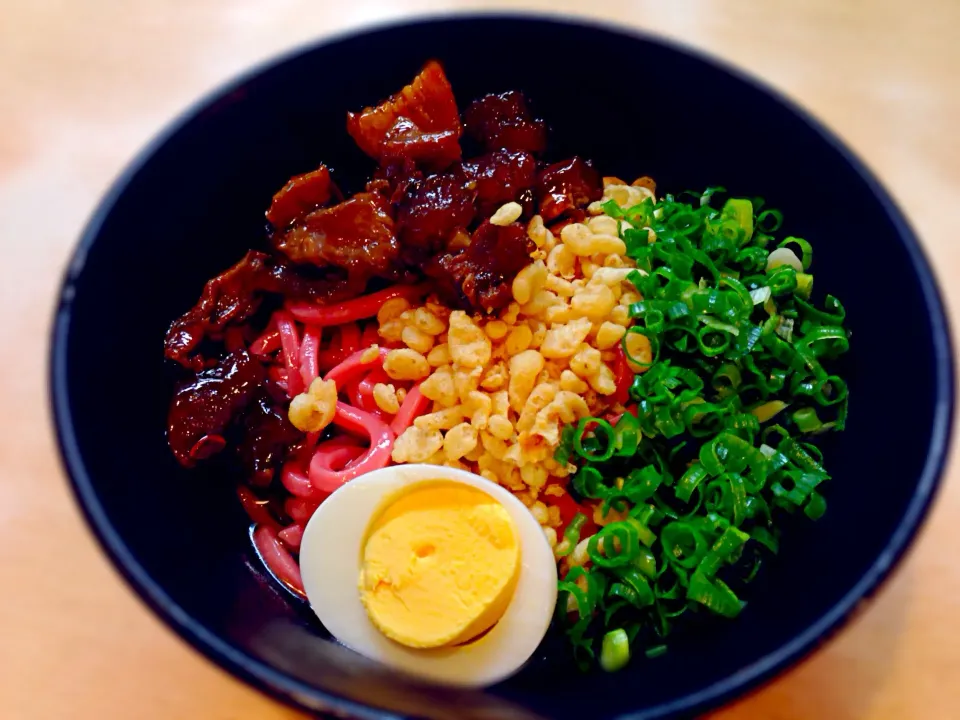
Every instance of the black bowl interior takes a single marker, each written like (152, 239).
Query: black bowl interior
(194, 203)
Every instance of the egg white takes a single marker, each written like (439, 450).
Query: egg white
(330, 561)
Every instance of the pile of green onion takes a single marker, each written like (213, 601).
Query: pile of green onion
(720, 445)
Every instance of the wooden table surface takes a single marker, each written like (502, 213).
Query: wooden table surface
(84, 83)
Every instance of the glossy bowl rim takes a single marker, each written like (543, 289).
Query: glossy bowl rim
(304, 696)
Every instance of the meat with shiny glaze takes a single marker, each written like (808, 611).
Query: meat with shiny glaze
(500, 177)
(480, 276)
(402, 124)
(431, 211)
(393, 179)
(300, 195)
(505, 122)
(356, 235)
(431, 151)
(203, 407)
(566, 186)
(232, 297)
(267, 437)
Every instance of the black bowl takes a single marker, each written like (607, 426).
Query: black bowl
(193, 202)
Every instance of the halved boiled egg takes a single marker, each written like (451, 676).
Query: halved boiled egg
(434, 571)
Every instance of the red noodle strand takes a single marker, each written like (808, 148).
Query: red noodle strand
(301, 510)
(413, 405)
(349, 338)
(290, 342)
(360, 423)
(256, 508)
(354, 367)
(309, 348)
(277, 559)
(291, 536)
(364, 398)
(266, 344)
(297, 482)
(352, 310)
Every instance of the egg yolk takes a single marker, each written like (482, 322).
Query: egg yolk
(439, 565)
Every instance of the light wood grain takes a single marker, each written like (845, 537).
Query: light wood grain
(84, 84)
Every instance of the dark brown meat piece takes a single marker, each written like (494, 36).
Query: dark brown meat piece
(480, 276)
(267, 436)
(501, 177)
(421, 122)
(229, 298)
(393, 179)
(356, 235)
(431, 151)
(203, 407)
(431, 211)
(504, 122)
(233, 296)
(566, 186)
(300, 195)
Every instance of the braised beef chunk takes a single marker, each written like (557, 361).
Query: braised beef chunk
(300, 195)
(501, 177)
(228, 298)
(565, 186)
(393, 179)
(431, 151)
(356, 235)
(424, 107)
(480, 276)
(203, 407)
(267, 436)
(504, 122)
(432, 210)
(232, 297)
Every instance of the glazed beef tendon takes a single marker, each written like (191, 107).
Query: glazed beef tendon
(421, 122)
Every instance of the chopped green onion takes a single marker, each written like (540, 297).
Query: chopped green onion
(571, 536)
(768, 410)
(600, 449)
(709, 462)
(615, 650)
(806, 420)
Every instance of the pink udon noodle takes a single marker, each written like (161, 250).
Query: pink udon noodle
(301, 342)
